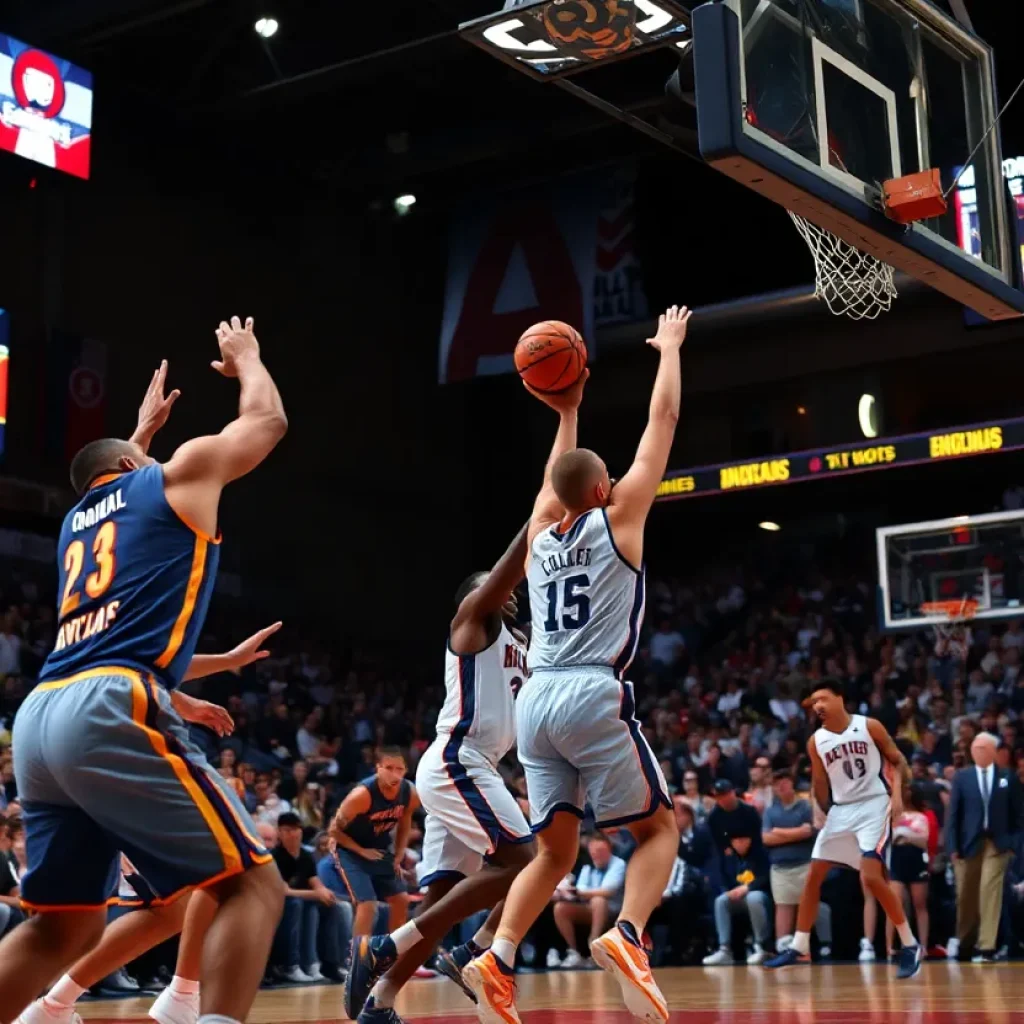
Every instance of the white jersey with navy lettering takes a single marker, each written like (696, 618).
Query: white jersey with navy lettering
(479, 708)
(853, 762)
(586, 600)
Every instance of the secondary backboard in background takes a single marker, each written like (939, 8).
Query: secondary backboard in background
(977, 558)
(815, 103)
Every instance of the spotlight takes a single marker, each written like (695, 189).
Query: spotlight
(403, 204)
(867, 416)
(267, 27)
(770, 526)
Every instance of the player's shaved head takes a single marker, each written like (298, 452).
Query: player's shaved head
(576, 476)
(108, 455)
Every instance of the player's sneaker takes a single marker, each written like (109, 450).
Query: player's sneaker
(789, 957)
(620, 953)
(171, 1008)
(43, 1012)
(450, 964)
(372, 956)
(910, 961)
(378, 1014)
(867, 951)
(493, 984)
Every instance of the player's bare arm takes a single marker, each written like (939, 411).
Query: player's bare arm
(200, 469)
(469, 627)
(155, 408)
(632, 497)
(888, 749)
(247, 652)
(357, 802)
(819, 777)
(547, 509)
(405, 827)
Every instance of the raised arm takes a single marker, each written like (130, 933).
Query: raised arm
(633, 495)
(547, 509)
(469, 627)
(819, 777)
(199, 469)
(155, 408)
(245, 653)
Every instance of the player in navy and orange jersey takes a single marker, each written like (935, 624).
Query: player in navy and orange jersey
(103, 761)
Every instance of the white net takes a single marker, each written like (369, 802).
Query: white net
(851, 282)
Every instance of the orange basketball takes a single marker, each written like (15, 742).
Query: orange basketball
(550, 356)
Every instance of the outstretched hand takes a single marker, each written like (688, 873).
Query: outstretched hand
(251, 650)
(155, 407)
(236, 343)
(202, 712)
(672, 325)
(563, 401)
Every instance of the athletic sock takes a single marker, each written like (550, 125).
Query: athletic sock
(405, 938)
(183, 987)
(384, 993)
(66, 992)
(906, 935)
(504, 951)
(482, 940)
(801, 942)
(216, 1018)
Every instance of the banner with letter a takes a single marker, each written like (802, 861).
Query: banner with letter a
(513, 260)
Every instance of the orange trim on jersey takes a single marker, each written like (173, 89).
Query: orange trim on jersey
(65, 908)
(195, 580)
(105, 479)
(92, 673)
(192, 526)
(140, 703)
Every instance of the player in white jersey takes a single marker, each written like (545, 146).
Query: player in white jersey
(848, 761)
(477, 838)
(579, 740)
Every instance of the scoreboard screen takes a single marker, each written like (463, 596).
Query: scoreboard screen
(45, 108)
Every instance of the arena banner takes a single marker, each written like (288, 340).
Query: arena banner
(76, 410)
(561, 251)
(821, 463)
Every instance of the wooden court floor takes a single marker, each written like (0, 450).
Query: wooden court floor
(847, 994)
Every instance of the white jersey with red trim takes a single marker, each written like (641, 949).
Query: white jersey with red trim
(853, 762)
(479, 708)
(586, 600)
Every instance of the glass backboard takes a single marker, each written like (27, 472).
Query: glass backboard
(834, 97)
(967, 558)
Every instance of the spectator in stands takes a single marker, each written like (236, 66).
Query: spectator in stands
(789, 837)
(731, 817)
(10, 903)
(306, 894)
(761, 792)
(691, 795)
(666, 644)
(986, 809)
(596, 899)
(909, 864)
(745, 877)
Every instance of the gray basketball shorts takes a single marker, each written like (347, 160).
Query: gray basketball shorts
(580, 742)
(104, 764)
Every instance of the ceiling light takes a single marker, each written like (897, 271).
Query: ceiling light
(267, 27)
(770, 526)
(403, 204)
(801, 410)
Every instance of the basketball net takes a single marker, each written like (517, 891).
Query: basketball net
(851, 282)
(952, 637)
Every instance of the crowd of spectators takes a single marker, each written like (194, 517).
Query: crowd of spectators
(725, 661)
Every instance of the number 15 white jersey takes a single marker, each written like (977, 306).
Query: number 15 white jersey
(853, 762)
(586, 600)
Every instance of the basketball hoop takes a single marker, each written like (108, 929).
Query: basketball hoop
(851, 282)
(952, 636)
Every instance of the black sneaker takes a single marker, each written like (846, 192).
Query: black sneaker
(450, 966)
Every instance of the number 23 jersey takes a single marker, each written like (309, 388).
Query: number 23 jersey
(586, 600)
(853, 762)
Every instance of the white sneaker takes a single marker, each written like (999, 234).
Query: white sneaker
(554, 961)
(296, 974)
(720, 958)
(953, 949)
(314, 974)
(573, 959)
(172, 1008)
(867, 951)
(39, 1014)
(784, 943)
(757, 957)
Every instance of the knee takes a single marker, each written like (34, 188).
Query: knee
(722, 901)
(598, 906)
(72, 942)
(561, 911)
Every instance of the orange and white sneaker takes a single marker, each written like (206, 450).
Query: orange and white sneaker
(622, 956)
(493, 984)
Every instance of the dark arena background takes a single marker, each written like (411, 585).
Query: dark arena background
(395, 202)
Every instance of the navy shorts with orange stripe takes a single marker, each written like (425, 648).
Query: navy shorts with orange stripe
(104, 765)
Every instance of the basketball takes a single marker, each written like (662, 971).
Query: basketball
(550, 356)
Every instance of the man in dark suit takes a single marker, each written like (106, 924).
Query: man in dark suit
(986, 809)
